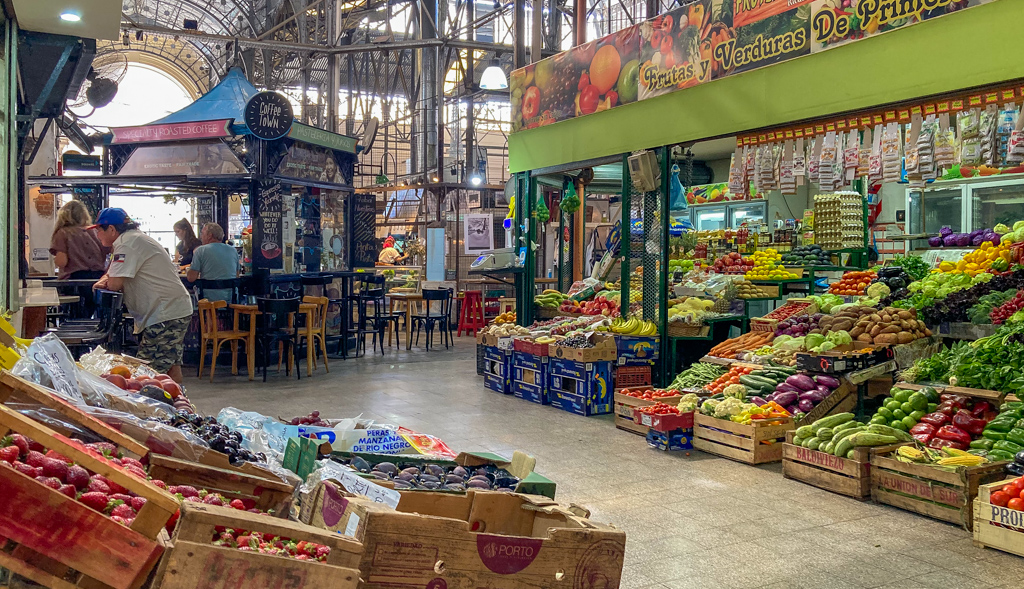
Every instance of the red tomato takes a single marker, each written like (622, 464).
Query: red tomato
(1017, 484)
(1016, 504)
(999, 498)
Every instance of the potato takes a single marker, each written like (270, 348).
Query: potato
(842, 325)
(891, 329)
(875, 330)
(855, 333)
(907, 325)
(886, 338)
(886, 318)
(905, 315)
(921, 325)
(875, 317)
(928, 332)
(865, 338)
(905, 337)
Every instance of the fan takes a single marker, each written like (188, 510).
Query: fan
(100, 87)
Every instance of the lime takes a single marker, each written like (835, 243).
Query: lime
(908, 408)
(893, 405)
(896, 423)
(909, 422)
(917, 415)
(932, 407)
(918, 401)
(884, 412)
(878, 419)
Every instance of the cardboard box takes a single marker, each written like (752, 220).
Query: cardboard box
(581, 388)
(480, 539)
(679, 439)
(604, 350)
(528, 346)
(663, 423)
(498, 370)
(530, 377)
(635, 350)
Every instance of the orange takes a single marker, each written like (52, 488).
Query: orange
(121, 370)
(604, 69)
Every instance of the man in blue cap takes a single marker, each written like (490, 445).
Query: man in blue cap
(153, 292)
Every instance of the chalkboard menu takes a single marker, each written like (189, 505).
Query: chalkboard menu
(204, 210)
(267, 227)
(365, 245)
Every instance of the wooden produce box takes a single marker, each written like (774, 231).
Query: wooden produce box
(842, 400)
(194, 561)
(757, 443)
(763, 324)
(53, 540)
(846, 476)
(997, 527)
(479, 539)
(268, 493)
(624, 406)
(934, 492)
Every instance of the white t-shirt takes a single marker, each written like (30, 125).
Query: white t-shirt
(153, 292)
(388, 255)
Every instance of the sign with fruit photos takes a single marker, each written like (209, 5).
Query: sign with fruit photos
(767, 37)
(838, 22)
(672, 52)
(589, 78)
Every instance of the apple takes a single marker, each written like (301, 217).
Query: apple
(543, 72)
(629, 82)
(589, 98)
(151, 381)
(584, 53)
(531, 102)
(172, 388)
(133, 384)
(117, 380)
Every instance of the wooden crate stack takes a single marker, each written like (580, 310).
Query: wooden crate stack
(757, 443)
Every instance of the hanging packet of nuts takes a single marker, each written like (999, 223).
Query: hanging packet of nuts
(875, 162)
(970, 143)
(945, 140)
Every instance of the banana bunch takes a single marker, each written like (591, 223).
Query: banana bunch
(633, 326)
(549, 299)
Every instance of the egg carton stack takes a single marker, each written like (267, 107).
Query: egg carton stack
(839, 220)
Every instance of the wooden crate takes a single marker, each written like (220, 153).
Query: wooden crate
(842, 400)
(934, 492)
(846, 476)
(16, 389)
(744, 443)
(997, 527)
(624, 405)
(194, 561)
(268, 493)
(46, 533)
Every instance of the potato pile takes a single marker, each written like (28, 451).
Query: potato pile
(872, 326)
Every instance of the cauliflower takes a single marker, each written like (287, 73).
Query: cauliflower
(878, 290)
(688, 402)
(729, 407)
(735, 390)
(708, 407)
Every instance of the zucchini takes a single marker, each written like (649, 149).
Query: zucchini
(869, 438)
(832, 421)
(782, 368)
(849, 454)
(828, 447)
(804, 431)
(838, 436)
(799, 441)
(824, 433)
(812, 444)
(847, 425)
(885, 430)
(757, 381)
(844, 447)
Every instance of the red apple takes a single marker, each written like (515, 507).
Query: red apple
(172, 388)
(531, 102)
(151, 381)
(134, 384)
(117, 380)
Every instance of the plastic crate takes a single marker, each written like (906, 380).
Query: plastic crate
(632, 376)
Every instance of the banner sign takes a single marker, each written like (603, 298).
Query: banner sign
(172, 132)
(705, 40)
(308, 134)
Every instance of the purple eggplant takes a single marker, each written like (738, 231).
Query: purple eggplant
(801, 381)
(824, 390)
(784, 387)
(757, 401)
(805, 405)
(813, 396)
(786, 398)
(829, 381)
(793, 409)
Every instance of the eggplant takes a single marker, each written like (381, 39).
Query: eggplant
(890, 271)
(1019, 458)
(786, 398)
(757, 401)
(801, 381)
(1014, 469)
(805, 405)
(829, 381)
(824, 390)
(785, 387)
(793, 409)
(813, 396)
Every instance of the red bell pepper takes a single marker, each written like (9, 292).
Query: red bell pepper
(936, 419)
(923, 432)
(949, 407)
(962, 400)
(980, 408)
(954, 434)
(964, 421)
(923, 438)
(939, 443)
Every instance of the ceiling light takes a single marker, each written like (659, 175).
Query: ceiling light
(70, 16)
(434, 179)
(475, 180)
(494, 78)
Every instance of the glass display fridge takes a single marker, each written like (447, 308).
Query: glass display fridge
(964, 205)
(726, 215)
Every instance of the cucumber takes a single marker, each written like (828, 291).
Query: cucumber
(832, 421)
(824, 433)
(827, 449)
(804, 431)
(890, 431)
(757, 381)
(838, 436)
(869, 438)
(812, 444)
(797, 441)
(844, 447)
(847, 425)
(849, 454)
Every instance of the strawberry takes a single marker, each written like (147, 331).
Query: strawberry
(95, 500)
(97, 486)
(169, 526)
(136, 472)
(122, 520)
(9, 454)
(245, 549)
(237, 504)
(302, 557)
(248, 502)
(34, 445)
(21, 442)
(28, 470)
(122, 497)
(322, 551)
(112, 486)
(193, 499)
(138, 502)
(54, 467)
(243, 540)
(103, 448)
(183, 490)
(52, 482)
(124, 511)
(254, 510)
(213, 499)
(126, 462)
(68, 490)
(77, 476)
(34, 458)
(301, 546)
(57, 456)
(158, 483)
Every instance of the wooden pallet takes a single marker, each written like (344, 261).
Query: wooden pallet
(757, 443)
(934, 492)
(997, 527)
(60, 543)
(194, 561)
(846, 476)
(268, 493)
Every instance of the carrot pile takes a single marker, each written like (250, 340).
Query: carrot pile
(745, 342)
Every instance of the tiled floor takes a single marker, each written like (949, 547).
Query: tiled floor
(691, 521)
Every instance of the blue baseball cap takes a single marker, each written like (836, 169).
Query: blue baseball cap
(111, 216)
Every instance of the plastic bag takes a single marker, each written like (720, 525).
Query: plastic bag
(49, 363)
(158, 437)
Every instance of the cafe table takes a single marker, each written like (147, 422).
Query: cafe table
(307, 309)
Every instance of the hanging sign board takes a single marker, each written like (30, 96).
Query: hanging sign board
(172, 132)
(268, 115)
(267, 227)
(365, 246)
(322, 138)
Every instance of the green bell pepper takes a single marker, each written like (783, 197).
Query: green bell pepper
(1007, 446)
(1020, 423)
(999, 455)
(1017, 406)
(1016, 435)
(1001, 425)
(978, 452)
(993, 435)
(982, 444)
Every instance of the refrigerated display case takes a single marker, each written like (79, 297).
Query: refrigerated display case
(710, 218)
(722, 216)
(964, 205)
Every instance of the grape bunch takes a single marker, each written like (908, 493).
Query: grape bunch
(561, 91)
(312, 419)
(577, 340)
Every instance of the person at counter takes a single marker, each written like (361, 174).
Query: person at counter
(77, 252)
(214, 260)
(153, 292)
(390, 254)
(187, 242)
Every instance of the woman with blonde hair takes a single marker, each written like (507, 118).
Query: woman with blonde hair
(188, 242)
(76, 250)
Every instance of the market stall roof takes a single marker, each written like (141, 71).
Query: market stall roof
(226, 100)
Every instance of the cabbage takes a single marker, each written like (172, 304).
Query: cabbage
(839, 338)
(1018, 225)
(792, 345)
(813, 340)
(1001, 228)
(949, 239)
(781, 339)
(977, 239)
(824, 347)
(963, 239)
(935, 241)
(878, 290)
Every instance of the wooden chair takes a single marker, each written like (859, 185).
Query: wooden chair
(209, 332)
(315, 331)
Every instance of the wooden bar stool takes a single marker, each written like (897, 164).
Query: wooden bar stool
(209, 332)
(472, 317)
(506, 305)
(315, 330)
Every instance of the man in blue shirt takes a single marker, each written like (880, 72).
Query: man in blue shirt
(214, 260)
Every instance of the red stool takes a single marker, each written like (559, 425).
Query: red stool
(472, 317)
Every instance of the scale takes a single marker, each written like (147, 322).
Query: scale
(498, 259)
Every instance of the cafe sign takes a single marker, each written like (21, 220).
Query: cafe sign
(268, 115)
(308, 134)
(172, 132)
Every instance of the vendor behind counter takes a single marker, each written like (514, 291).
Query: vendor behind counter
(390, 254)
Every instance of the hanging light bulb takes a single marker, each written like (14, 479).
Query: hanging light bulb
(493, 77)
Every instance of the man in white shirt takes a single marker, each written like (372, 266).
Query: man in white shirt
(153, 292)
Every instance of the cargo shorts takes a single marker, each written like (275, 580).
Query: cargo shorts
(162, 344)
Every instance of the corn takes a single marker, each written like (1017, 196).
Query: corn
(954, 452)
(910, 452)
(970, 460)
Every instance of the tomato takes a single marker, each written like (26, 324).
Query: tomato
(1016, 504)
(999, 498)
(1017, 485)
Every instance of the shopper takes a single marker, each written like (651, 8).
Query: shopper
(153, 292)
(390, 254)
(77, 253)
(187, 242)
(214, 260)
